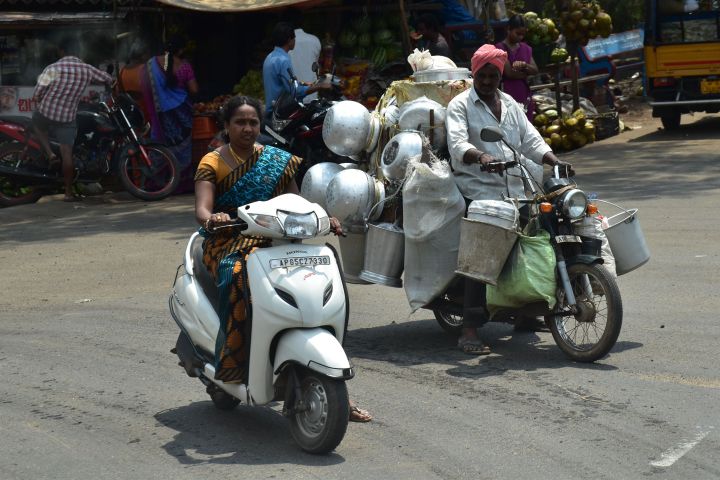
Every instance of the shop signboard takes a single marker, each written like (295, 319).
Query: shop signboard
(19, 100)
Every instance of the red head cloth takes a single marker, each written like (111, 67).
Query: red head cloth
(488, 54)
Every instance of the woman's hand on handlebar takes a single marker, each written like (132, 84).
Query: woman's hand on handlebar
(336, 227)
(217, 220)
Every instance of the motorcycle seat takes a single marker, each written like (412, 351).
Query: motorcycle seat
(202, 275)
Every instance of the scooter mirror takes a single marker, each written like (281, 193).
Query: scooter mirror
(491, 134)
(315, 67)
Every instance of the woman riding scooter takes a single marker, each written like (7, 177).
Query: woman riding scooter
(235, 174)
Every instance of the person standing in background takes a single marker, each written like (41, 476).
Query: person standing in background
(277, 68)
(428, 36)
(306, 52)
(133, 75)
(170, 83)
(57, 93)
(519, 66)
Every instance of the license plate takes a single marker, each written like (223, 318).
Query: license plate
(709, 86)
(299, 261)
(567, 239)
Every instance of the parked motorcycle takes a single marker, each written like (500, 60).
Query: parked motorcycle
(587, 318)
(299, 315)
(109, 141)
(297, 127)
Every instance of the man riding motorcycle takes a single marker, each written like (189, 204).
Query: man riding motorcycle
(475, 162)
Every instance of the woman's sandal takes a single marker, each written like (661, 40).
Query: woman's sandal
(473, 347)
(359, 415)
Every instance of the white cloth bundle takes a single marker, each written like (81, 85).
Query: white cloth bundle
(421, 60)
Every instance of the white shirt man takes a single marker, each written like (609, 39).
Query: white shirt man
(306, 51)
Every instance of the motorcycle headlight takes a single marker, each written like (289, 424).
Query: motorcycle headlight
(574, 204)
(299, 225)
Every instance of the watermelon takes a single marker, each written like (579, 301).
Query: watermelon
(394, 51)
(383, 37)
(379, 57)
(347, 39)
(364, 40)
(360, 52)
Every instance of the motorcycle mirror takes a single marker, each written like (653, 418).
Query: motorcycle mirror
(315, 67)
(491, 134)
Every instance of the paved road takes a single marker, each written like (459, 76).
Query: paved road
(90, 390)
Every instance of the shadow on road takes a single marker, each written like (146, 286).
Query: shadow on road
(57, 220)
(705, 128)
(244, 436)
(423, 342)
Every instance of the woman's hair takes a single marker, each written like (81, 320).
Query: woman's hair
(516, 21)
(282, 33)
(227, 110)
(172, 47)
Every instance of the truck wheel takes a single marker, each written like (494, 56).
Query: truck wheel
(671, 121)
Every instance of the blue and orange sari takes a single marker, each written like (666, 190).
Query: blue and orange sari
(266, 174)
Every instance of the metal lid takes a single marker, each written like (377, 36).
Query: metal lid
(493, 208)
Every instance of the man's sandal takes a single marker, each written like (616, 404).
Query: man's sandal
(474, 347)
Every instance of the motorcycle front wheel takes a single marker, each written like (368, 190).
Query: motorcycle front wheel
(592, 331)
(319, 425)
(13, 191)
(150, 182)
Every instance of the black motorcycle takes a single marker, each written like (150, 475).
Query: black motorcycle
(109, 143)
(586, 321)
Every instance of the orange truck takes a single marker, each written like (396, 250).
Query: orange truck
(682, 58)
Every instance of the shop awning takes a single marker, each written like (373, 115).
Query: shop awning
(237, 5)
(55, 18)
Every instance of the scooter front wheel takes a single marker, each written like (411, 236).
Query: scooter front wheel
(592, 331)
(321, 414)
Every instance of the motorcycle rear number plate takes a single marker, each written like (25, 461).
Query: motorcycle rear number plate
(299, 262)
(567, 239)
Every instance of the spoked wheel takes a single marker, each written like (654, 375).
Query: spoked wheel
(13, 191)
(320, 417)
(149, 182)
(222, 399)
(451, 323)
(592, 331)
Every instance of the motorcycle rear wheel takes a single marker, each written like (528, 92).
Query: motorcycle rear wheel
(149, 182)
(591, 333)
(13, 191)
(449, 322)
(322, 425)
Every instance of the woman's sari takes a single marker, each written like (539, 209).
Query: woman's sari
(171, 118)
(264, 175)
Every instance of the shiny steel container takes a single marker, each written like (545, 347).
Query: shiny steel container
(346, 128)
(316, 180)
(351, 194)
(441, 74)
(398, 151)
(425, 115)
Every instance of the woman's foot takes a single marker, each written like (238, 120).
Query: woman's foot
(72, 198)
(358, 414)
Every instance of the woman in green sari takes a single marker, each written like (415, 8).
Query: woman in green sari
(235, 174)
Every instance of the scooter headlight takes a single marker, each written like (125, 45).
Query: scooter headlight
(574, 204)
(268, 221)
(299, 225)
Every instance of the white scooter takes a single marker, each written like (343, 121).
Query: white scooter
(299, 317)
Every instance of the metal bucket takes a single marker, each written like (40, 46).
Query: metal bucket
(352, 254)
(384, 255)
(484, 248)
(627, 241)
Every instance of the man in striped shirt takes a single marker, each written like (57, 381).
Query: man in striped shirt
(57, 95)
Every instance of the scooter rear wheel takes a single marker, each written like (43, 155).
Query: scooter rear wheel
(320, 425)
(589, 334)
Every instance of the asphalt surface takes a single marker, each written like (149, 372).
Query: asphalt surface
(90, 390)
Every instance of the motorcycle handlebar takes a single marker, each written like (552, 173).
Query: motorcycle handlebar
(497, 167)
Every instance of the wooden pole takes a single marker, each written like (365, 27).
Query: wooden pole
(405, 28)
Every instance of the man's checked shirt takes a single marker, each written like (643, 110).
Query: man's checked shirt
(61, 85)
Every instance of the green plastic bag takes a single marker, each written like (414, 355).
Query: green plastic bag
(527, 277)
